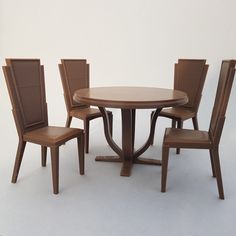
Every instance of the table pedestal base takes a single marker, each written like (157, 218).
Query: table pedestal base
(127, 165)
(126, 153)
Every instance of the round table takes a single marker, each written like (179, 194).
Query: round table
(128, 99)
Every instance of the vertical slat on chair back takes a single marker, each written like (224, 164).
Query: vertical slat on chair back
(222, 97)
(190, 75)
(74, 76)
(25, 82)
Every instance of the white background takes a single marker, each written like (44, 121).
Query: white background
(126, 42)
(129, 42)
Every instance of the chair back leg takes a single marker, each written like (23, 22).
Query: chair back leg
(68, 121)
(216, 161)
(18, 160)
(173, 123)
(179, 126)
(86, 135)
(110, 117)
(195, 123)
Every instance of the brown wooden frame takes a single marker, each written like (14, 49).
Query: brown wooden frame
(26, 87)
(75, 75)
(184, 138)
(189, 76)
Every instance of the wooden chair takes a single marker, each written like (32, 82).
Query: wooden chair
(183, 138)
(189, 76)
(75, 75)
(26, 87)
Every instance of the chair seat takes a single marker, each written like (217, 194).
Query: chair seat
(182, 113)
(186, 138)
(51, 135)
(88, 112)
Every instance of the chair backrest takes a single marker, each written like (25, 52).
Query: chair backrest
(189, 76)
(25, 83)
(74, 76)
(226, 78)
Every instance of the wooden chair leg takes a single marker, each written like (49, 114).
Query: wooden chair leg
(86, 135)
(18, 160)
(55, 168)
(215, 152)
(195, 123)
(68, 121)
(173, 123)
(43, 155)
(164, 169)
(110, 117)
(212, 163)
(152, 114)
(133, 127)
(179, 126)
(80, 141)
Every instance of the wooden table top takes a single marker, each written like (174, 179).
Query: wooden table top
(131, 97)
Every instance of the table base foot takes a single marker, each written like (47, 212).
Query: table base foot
(147, 161)
(126, 169)
(127, 166)
(108, 158)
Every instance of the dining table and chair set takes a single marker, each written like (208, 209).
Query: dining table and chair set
(26, 86)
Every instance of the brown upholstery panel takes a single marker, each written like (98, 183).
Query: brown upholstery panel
(76, 76)
(188, 76)
(28, 92)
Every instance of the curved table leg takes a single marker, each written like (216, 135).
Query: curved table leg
(126, 154)
(110, 140)
(141, 150)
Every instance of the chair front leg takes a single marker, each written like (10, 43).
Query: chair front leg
(18, 160)
(212, 163)
(164, 169)
(43, 155)
(80, 141)
(55, 168)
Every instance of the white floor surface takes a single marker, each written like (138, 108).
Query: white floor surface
(103, 203)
